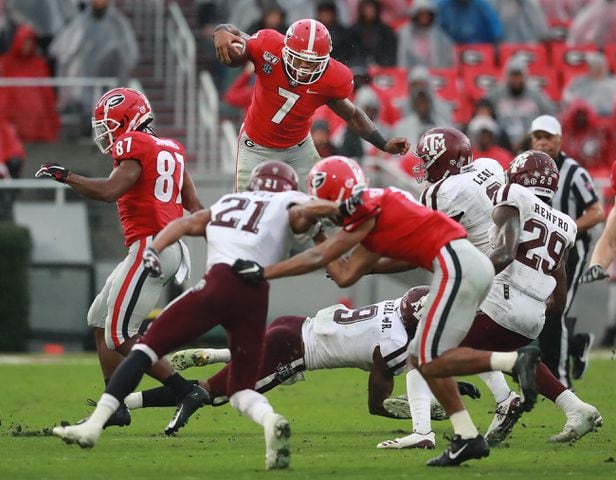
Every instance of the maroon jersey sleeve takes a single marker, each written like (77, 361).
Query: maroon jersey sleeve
(370, 207)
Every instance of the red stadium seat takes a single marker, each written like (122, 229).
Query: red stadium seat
(476, 56)
(570, 60)
(535, 54)
(390, 81)
(445, 82)
(548, 81)
(477, 83)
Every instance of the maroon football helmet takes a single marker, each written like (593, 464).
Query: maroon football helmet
(442, 151)
(273, 176)
(535, 170)
(411, 305)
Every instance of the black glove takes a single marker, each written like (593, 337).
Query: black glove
(54, 171)
(248, 270)
(151, 262)
(469, 390)
(594, 273)
(348, 207)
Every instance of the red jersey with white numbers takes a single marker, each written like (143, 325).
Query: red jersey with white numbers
(280, 113)
(155, 199)
(404, 229)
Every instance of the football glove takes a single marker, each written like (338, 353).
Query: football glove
(151, 262)
(469, 390)
(349, 206)
(594, 273)
(54, 171)
(248, 270)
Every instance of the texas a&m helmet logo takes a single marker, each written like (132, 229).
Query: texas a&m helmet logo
(434, 145)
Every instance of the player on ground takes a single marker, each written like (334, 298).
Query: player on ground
(390, 230)
(151, 188)
(259, 224)
(372, 338)
(582, 418)
(295, 76)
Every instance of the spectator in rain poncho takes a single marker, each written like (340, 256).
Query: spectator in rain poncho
(587, 138)
(99, 42)
(470, 21)
(419, 78)
(516, 103)
(597, 87)
(483, 133)
(422, 41)
(32, 110)
(47, 17)
(523, 20)
(594, 24)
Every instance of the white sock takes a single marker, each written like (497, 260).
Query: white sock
(568, 402)
(252, 404)
(463, 425)
(134, 401)
(497, 384)
(104, 409)
(220, 355)
(419, 396)
(503, 361)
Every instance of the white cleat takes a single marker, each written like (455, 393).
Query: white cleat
(414, 440)
(196, 357)
(85, 435)
(277, 433)
(508, 412)
(584, 420)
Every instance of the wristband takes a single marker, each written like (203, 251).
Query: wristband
(376, 139)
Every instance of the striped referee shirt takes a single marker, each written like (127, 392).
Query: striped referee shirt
(576, 191)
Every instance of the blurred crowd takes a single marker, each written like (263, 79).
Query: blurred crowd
(486, 66)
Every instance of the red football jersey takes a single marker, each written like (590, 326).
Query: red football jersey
(404, 229)
(155, 199)
(280, 113)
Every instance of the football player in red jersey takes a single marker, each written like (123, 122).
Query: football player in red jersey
(295, 76)
(390, 231)
(151, 188)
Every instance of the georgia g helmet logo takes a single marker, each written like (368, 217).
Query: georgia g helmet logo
(434, 145)
(318, 180)
(113, 101)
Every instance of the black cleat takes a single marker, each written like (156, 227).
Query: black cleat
(460, 450)
(581, 344)
(508, 412)
(120, 418)
(194, 400)
(524, 371)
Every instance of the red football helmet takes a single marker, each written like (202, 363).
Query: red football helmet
(119, 111)
(305, 54)
(336, 178)
(273, 176)
(411, 305)
(535, 170)
(442, 151)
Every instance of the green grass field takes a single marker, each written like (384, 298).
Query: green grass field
(333, 435)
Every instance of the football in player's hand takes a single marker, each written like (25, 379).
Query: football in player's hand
(236, 53)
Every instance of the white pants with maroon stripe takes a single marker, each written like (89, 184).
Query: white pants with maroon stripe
(130, 294)
(462, 278)
(249, 154)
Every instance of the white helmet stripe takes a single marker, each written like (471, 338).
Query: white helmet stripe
(313, 32)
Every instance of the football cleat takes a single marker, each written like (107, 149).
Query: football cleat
(194, 400)
(507, 414)
(277, 433)
(580, 351)
(193, 357)
(85, 435)
(523, 373)
(120, 418)
(414, 440)
(399, 408)
(580, 422)
(460, 450)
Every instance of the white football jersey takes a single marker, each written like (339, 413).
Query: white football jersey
(467, 198)
(338, 337)
(546, 234)
(251, 226)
